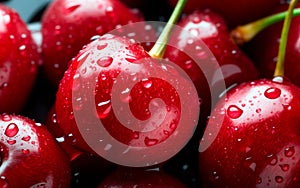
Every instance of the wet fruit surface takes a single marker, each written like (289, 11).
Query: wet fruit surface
(251, 137)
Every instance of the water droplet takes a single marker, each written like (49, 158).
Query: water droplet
(272, 93)
(4, 182)
(289, 151)
(109, 11)
(131, 60)
(258, 110)
(196, 20)
(105, 113)
(147, 84)
(3, 85)
(11, 142)
(11, 130)
(278, 179)
(102, 46)
(234, 112)
(150, 142)
(25, 151)
(105, 61)
(6, 117)
(272, 159)
(71, 8)
(258, 180)
(26, 138)
(284, 167)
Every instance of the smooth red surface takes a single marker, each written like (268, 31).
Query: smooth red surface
(252, 137)
(19, 60)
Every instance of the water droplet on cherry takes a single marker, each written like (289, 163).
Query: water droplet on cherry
(284, 167)
(26, 138)
(272, 159)
(4, 182)
(25, 151)
(289, 151)
(11, 130)
(279, 179)
(102, 46)
(105, 61)
(6, 117)
(150, 142)
(272, 93)
(234, 112)
(11, 142)
(147, 84)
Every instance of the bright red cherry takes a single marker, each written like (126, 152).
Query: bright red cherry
(19, 60)
(140, 101)
(252, 137)
(30, 157)
(68, 25)
(134, 177)
(209, 28)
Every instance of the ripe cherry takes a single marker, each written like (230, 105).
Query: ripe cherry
(30, 157)
(19, 60)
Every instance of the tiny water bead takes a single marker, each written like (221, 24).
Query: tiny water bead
(234, 112)
(272, 93)
(289, 151)
(105, 61)
(70, 9)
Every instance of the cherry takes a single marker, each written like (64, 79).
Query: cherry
(19, 61)
(148, 108)
(134, 177)
(209, 28)
(234, 12)
(251, 139)
(68, 25)
(30, 157)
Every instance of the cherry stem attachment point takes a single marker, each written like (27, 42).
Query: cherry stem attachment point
(244, 33)
(279, 70)
(159, 47)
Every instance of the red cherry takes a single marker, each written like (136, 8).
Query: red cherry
(234, 12)
(29, 155)
(252, 139)
(209, 28)
(19, 59)
(127, 84)
(68, 25)
(134, 177)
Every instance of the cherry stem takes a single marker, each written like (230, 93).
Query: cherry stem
(244, 33)
(159, 47)
(279, 70)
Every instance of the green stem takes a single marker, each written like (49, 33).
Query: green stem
(279, 70)
(245, 33)
(160, 46)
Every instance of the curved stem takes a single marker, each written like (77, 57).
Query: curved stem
(245, 33)
(160, 46)
(279, 70)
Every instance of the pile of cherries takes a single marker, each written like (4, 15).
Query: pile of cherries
(247, 132)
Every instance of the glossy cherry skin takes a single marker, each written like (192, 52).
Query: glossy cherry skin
(68, 25)
(208, 28)
(115, 62)
(19, 60)
(86, 168)
(30, 157)
(135, 177)
(263, 49)
(252, 137)
(234, 12)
